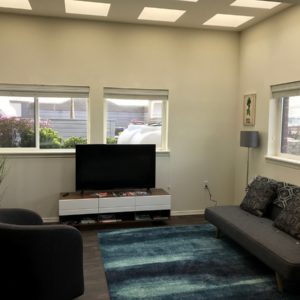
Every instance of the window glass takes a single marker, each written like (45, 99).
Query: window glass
(136, 121)
(63, 122)
(290, 136)
(17, 125)
(44, 118)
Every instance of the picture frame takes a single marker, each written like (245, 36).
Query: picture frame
(249, 110)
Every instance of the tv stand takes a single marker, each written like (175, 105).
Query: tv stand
(99, 207)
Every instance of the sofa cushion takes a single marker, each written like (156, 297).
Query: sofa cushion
(261, 192)
(289, 218)
(273, 211)
(286, 192)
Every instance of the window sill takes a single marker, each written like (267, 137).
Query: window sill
(286, 162)
(16, 153)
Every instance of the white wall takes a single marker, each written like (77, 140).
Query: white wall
(199, 68)
(269, 54)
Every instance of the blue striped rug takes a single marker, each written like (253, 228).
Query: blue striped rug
(182, 262)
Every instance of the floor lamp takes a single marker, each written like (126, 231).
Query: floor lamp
(249, 139)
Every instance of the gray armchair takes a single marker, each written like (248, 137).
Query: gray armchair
(39, 262)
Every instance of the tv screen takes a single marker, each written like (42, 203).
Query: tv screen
(104, 167)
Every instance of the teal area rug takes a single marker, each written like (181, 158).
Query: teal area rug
(182, 262)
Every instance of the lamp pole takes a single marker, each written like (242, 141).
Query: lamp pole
(247, 175)
(249, 139)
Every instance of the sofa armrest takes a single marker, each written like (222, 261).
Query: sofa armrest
(46, 259)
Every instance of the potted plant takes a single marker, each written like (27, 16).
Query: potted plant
(2, 169)
(2, 172)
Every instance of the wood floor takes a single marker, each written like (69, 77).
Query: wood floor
(95, 282)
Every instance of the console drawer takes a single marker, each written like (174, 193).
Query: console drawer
(78, 206)
(116, 204)
(162, 202)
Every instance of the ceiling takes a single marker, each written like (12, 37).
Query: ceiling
(127, 11)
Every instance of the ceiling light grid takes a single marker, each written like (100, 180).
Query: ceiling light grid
(227, 20)
(160, 14)
(87, 8)
(255, 4)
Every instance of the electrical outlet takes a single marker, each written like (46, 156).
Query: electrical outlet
(205, 182)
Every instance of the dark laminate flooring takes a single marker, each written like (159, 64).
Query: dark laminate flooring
(95, 281)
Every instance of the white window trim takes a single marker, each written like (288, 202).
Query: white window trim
(140, 94)
(274, 153)
(42, 91)
(287, 162)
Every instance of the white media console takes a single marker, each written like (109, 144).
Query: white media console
(102, 207)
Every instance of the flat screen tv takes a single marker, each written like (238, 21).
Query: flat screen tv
(106, 167)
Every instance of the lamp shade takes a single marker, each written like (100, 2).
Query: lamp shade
(249, 139)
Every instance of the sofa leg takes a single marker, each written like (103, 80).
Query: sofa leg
(218, 233)
(279, 282)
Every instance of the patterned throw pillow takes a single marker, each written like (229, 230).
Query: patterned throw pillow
(263, 179)
(286, 192)
(261, 192)
(289, 219)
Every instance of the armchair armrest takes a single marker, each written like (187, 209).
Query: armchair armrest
(46, 259)
(19, 216)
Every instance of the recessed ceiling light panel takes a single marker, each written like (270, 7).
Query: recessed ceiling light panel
(87, 8)
(160, 14)
(227, 20)
(17, 4)
(189, 0)
(255, 4)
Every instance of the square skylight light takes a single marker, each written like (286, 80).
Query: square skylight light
(160, 14)
(227, 20)
(256, 4)
(87, 8)
(17, 4)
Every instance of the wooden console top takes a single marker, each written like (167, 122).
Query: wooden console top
(110, 193)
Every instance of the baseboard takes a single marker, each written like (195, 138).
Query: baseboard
(51, 220)
(187, 212)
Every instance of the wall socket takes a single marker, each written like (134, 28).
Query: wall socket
(205, 184)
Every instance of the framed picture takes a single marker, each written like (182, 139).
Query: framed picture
(249, 110)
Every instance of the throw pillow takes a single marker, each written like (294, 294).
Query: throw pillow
(286, 192)
(264, 180)
(260, 193)
(289, 219)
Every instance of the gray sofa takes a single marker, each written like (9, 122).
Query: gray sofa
(276, 248)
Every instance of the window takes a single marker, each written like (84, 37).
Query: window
(290, 136)
(136, 116)
(42, 117)
(285, 121)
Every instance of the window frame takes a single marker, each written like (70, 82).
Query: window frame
(36, 91)
(279, 92)
(140, 94)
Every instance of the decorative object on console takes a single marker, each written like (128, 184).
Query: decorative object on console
(249, 110)
(249, 139)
